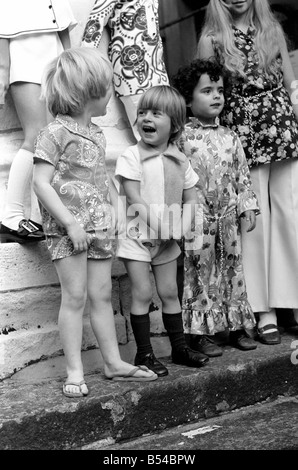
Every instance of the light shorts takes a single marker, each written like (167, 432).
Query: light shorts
(61, 247)
(161, 253)
(29, 54)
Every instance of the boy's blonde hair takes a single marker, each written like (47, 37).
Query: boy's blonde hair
(168, 100)
(76, 76)
(269, 36)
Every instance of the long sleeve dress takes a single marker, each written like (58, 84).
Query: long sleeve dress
(214, 294)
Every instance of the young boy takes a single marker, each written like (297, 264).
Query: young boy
(214, 294)
(155, 177)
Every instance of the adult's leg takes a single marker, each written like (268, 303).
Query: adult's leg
(130, 104)
(283, 276)
(72, 273)
(256, 251)
(256, 244)
(33, 116)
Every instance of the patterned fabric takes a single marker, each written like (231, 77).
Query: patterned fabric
(80, 179)
(214, 295)
(259, 109)
(135, 48)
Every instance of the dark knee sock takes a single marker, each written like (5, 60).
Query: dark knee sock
(141, 329)
(174, 326)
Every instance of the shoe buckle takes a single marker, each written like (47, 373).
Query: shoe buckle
(29, 226)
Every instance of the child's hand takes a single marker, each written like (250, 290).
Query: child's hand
(78, 237)
(250, 217)
(119, 222)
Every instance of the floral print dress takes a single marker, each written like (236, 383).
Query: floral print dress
(135, 48)
(214, 294)
(259, 109)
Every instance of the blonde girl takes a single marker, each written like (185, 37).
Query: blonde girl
(71, 183)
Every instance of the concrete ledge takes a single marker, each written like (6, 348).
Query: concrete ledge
(19, 349)
(35, 415)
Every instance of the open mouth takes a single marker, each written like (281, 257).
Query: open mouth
(148, 129)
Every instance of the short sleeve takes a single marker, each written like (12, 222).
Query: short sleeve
(128, 166)
(191, 177)
(46, 147)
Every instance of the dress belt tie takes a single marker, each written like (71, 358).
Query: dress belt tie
(214, 218)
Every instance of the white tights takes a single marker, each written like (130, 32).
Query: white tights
(21, 201)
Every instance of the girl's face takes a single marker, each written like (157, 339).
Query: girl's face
(207, 99)
(238, 7)
(154, 127)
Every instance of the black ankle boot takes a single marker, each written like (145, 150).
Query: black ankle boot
(149, 360)
(187, 357)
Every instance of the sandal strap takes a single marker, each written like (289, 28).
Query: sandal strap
(265, 328)
(26, 227)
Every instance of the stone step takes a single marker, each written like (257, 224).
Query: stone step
(36, 416)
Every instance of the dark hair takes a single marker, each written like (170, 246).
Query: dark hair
(186, 80)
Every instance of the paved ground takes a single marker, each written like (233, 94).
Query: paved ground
(36, 416)
(272, 425)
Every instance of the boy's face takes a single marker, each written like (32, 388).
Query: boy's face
(207, 99)
(154, 127)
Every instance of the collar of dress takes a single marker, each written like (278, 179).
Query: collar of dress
(172, 151)
(75, 127)
(195, 123)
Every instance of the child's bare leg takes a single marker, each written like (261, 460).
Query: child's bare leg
(141, 295)
(102, 320)
(72, 273)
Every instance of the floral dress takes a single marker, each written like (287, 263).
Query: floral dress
(258, 108)
(214, 294)
(135, 48)
(81, 181)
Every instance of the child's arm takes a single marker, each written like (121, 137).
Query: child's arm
(133, 195)
(246, 197)
(188, 213)
(118, 209)
(4, 69)
(43, 173)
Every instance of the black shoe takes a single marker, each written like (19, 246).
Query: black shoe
(152, 363)
(205, 345)
(27, 232)
(269, 338)
(239, 339)
(188, 357)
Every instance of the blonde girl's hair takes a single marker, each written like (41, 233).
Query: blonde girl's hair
(167, 99)
(76, 76)
(268, 39)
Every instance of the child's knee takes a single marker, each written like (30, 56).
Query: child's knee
(142, 294)
(168, 292)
